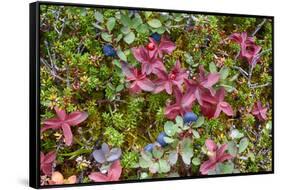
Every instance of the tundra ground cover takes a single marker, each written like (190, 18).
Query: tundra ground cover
(128, 94)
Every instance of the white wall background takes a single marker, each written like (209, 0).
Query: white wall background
(14, 95)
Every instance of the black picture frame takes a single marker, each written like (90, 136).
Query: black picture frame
(34, 92)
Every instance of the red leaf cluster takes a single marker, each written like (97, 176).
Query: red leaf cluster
(248, 48)
(176, 82)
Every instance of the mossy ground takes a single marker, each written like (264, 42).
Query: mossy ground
(82, 78)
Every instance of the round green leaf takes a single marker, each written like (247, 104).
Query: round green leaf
(119, 37)
(117, 63)
(129, 38)
(169, 140)
(136, 22)
(212, 67)
(154, 23)
(226, 168)
(119, 87)
(144, 175)
(110, 24)
(157, 152)
(144, 163)
(196, 161)
(164, 167)
(106, 37)
(154, 168)
(179, 121)
(243, 145)
(99, 16)
(143, 28)
(125, 30)
(224, 73)
(170, 129)
(235, 134)
(187, 151)
(173, 157)
(232, 148)
(195, 134)
(200, 121)
(121, 55)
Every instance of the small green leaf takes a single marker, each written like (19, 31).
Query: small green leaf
(200, 121)
(173, 157)
(164, 167)
(235, 134)
(144, 175)
(144, 163)
(232, 148)
(119, 37)
(110, 24)
(99, 16)
(125, 30)
(121, 55)
(119, 88)
(136, 22)
(243, 145)
(129, 38)
(157, 152)
(154, 23)
(179, 121)
(169, 140)
(212, 67)
(125, 20)
(154, 168)
(106, 37)
(234, 77)
(252, 156)
(224, 73)
(147, 14)
(117, 63)
(195, 134)
(161, 30)
(187, 151)
(146, 155)
(226, 168)
(170, 129)
(268, 125)
(98, 26)
(196, 161)
(228, 88)
(143, 28)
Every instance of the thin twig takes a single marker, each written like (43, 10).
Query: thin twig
(51, 70)
(259, 27)
(49, 54)
(59, 20)
(242, 71)
(259, 86)
(251, 67)
(42, 60)
(67, 76)
(237, 55)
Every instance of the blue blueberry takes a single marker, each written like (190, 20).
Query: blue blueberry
(108, 50)
(160, 139)
(149, 147)
(156, 37)
(189, 117)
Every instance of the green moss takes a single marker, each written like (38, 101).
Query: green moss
(113, 137)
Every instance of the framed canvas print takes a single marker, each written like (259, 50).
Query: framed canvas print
(122, 94)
